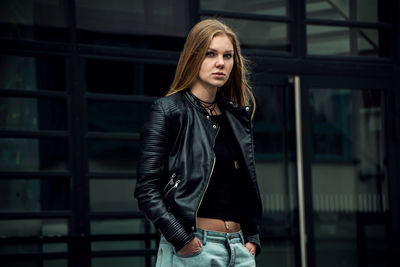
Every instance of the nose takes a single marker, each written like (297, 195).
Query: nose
(220, 62)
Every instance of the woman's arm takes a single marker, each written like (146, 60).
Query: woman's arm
(154, 151)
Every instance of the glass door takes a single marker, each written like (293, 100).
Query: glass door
(345, 165)
(275, 162)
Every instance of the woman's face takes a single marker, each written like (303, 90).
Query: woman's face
(217, 64)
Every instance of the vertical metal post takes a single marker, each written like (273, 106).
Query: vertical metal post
(300, 172)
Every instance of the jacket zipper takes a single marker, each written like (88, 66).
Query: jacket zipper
(170, 182)
(175, 186)
(208, 181)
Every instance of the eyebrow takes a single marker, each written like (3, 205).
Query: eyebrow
(215, 50)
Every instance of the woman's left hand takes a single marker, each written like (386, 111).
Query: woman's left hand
(251, 248)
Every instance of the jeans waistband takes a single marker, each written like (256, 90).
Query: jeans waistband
(219, 237)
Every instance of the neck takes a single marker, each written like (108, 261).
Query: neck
(206, 94)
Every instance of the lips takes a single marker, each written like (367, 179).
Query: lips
(219, 74)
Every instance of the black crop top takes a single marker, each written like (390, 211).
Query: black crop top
(221, 198)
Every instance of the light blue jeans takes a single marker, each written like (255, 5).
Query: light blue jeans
(218, 249)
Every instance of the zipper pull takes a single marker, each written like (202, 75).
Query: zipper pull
(177, 183)
(236, 164)
(171, 180)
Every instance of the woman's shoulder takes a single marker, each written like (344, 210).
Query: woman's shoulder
(171, 102)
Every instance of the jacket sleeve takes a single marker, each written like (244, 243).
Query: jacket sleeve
(150, 168)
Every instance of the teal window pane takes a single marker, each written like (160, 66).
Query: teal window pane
(33, 227)
(127, 78)
(113, 155)
(36, 263)
(119, 261)
(120, 226)
(346, 41)
(33, 154)
(32, 114)
(119, 245)
(32, 72)
(113, 116)
(256, 7)
(34, 20)
(33, 248)
(346, 10)
(349, 184)
(112, 195)
(31, 195)
(133, 23)
(263, 35)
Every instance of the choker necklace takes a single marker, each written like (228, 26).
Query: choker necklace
(210, 106)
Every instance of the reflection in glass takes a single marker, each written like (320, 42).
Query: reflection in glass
(261, 34)
(266, 7)
(349, 180)
(27, 195)
(113, 155)
(276, 181)
(346, 10)
(33, 154)
(133, 23)
(32, 114)
(34, 20)
(33, 227)
(112, 116)
(127, 78)
(32, 73)
(346, 41)
(112, 195)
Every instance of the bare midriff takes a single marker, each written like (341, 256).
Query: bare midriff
(218, 225)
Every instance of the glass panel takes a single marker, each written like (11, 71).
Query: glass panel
(112, 195)
(119, 261)
(34, 20)
(120, 245)
(33, 227)
(345, 41)
(346, 10)
(32, 114)
(33, 154)
(32, 73)
(113, 155)
(113, 77)
(276, 175)
(261, 34)
(34, 194)
(350, 182)
(112, 116)
(266, 7)
(120, 226)
(33, 248)
(35, 263)
(155, 24)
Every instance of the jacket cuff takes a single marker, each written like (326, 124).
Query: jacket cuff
(176, 234)
(255, 239)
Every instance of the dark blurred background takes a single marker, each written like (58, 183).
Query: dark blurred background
(77, 78)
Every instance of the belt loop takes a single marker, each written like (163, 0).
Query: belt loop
(204, 237)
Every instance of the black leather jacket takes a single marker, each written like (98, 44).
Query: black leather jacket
(177, 161)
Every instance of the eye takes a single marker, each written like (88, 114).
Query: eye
(228, 56)
(210, 54)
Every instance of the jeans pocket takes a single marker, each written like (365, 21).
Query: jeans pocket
(190, 255)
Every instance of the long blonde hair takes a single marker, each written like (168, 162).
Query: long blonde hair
(237, 88)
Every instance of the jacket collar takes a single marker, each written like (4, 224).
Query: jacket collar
(222, 101)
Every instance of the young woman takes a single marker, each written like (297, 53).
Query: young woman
(196, 178)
